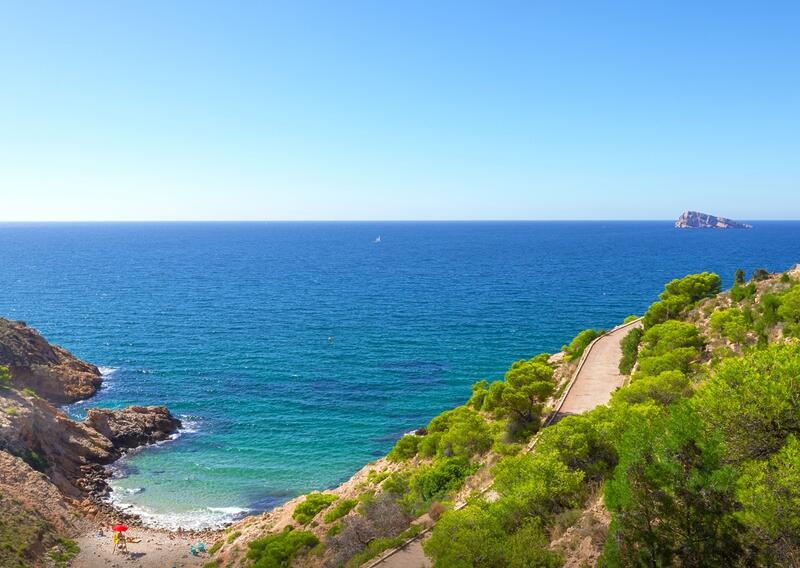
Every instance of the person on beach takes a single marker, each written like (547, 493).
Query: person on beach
(123, 543)
(115, 540)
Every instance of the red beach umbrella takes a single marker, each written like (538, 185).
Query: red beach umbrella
(119, 528)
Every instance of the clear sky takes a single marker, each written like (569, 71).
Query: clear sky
(149, 110)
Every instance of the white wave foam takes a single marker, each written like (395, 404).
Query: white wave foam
(198, 519)
(189, 424)
(229, 510)
(107, 371)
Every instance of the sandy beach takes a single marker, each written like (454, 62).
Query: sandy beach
(156, 549)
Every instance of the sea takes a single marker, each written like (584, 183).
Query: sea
(296, 353)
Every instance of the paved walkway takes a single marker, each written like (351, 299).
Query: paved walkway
(596, 378)
(599, 375)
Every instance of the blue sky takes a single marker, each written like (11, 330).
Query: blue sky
(197, 110)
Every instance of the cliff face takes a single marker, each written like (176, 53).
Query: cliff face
(697, 220)
(51, 371)
(52, 474)
(72, 453)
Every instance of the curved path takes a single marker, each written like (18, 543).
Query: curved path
(597, 375)
(595, 379)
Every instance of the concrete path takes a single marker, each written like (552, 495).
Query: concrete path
(596, 377)
(599, 375)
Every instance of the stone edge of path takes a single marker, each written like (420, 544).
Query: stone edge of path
(532, 444)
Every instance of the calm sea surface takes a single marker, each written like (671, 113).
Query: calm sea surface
(229, 325)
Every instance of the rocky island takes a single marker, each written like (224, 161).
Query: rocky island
(697, 220)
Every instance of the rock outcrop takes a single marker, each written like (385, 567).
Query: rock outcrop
(697, 220)
(134, 426)
(72, 453)
(51, 371)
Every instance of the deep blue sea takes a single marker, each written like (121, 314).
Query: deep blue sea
(298, 352)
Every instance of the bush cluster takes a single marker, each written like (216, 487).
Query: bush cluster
(279, 549)
(313, 504)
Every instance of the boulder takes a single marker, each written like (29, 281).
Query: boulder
(134, 426)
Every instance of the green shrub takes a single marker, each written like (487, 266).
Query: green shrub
(479, 391)
(754, 401)
(313, 504)
(277, 550)
(396, 484)
(680, 359)
(671, 496)
(770, 304)
(457, 432)
(789, 309)
(730, 323)
(630, 318)
(527, 385)
(405, 448)
(664, 388)
(579, 344)
(233, 536)
(743, 292)
(30, 392)
(680, 294)
(769, 492)
(334, 530)
(340, 510)
(466, 435)
(216, 546)
(535, 485)
(63, 552)
(5, 378)
(434, 482)
(630, 350)
(375, 477)
(663, 338)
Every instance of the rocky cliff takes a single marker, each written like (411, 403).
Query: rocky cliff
(52, 474)
(51, 371)
(697, 220)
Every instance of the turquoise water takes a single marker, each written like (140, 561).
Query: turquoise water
(228, 325)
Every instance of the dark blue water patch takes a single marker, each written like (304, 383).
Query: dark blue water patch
(229, 323)
(269, 501)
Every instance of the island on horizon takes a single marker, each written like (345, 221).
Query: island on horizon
(697, 220)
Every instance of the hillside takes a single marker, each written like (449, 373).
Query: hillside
(694, 462)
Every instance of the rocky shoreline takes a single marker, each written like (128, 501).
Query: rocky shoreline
(53, 470)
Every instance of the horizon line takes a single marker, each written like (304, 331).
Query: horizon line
(253, 221)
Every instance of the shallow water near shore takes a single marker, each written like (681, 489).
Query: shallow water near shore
(297, 352)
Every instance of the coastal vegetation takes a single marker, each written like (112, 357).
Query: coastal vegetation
(5, 378)
(695, 462)
(686, 482)
(630, 350)
(277, 550)
(313, 504)
(579, 344)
